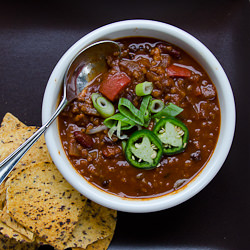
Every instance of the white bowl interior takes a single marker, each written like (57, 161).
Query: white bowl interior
(198, 51)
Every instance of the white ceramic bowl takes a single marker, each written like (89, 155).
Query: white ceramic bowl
(198, 51)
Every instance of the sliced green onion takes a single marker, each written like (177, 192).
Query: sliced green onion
(111, 132)
(144, 109)
(117, 128)
(170, 110)
(118, 132)
(147, 118)
(145, 103)
(130, 111)
(116, 123)
(156, 106)
(104, 107)
(124, 143)
(125, 122)
(144, 88)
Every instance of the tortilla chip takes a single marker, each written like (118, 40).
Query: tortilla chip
(10, 122)
(12, 134)
(41, 205)
(6, 218)
(11, 141)
(97, 222)
(2, 198)
(9, 244)
(40, 241)
(98, 245)
(40, 199)
(10, 233)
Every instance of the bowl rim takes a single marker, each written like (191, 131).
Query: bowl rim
(227, 117)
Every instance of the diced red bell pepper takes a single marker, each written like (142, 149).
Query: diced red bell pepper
(114, 84)
(178, 71)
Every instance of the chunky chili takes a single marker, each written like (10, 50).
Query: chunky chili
(162, 120)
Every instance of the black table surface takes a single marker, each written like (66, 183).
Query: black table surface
(33, 37)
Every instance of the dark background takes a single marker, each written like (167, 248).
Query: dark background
(33, 37)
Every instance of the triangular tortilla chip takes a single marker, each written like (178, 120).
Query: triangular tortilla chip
(40, 199)
(12, 134)
(10, 233)
(97, 245)
(9, 244)
(6, 218)
(10, 122)
(100, 244)
(40, 241)
(97, 222)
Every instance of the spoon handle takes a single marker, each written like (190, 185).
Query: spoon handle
(9, 163)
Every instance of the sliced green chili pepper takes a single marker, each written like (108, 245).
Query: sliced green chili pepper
(144, 88)
(156, 106)
(169, 110)
(104, 107)
(144, 149)
(173, 134)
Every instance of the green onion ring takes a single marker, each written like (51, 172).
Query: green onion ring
(144, 88)
(156, 106)
(104, 107)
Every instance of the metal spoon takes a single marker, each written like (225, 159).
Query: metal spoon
(86, 65)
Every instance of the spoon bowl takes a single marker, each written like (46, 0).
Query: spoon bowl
(85, 66)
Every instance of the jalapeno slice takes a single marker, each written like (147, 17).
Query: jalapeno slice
(143, 149)
(173, 134)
